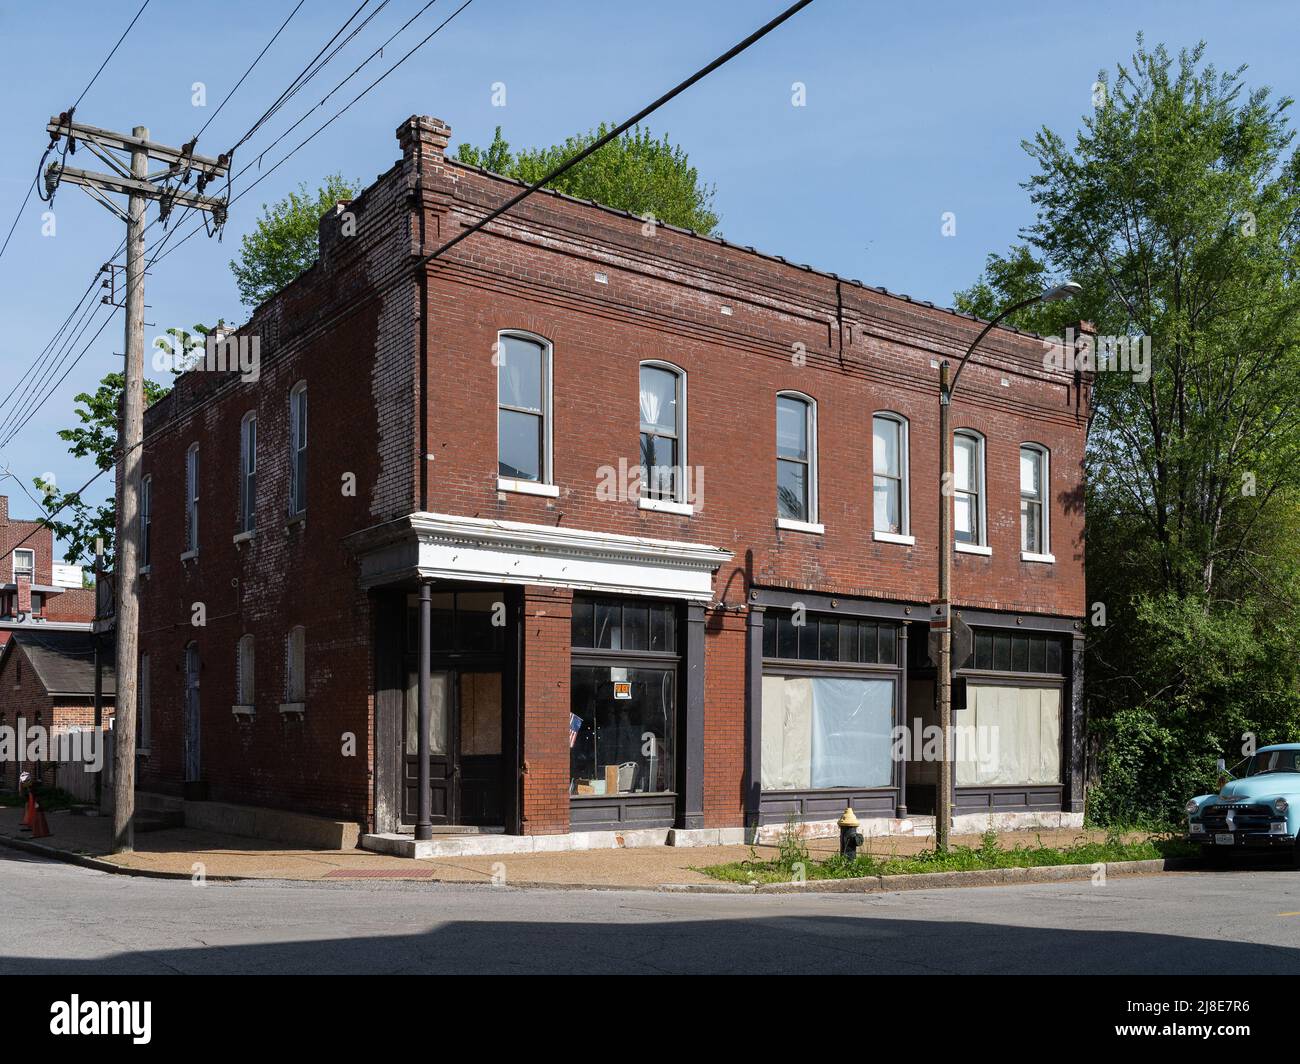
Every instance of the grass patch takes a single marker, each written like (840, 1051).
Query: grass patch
(794, 862)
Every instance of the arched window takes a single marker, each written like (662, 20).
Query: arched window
(968, 503)
(245, 672)
(248, 472)
(889, 463)
(663, 432)
(1034, 515)
(298, 449)
(192, 499)
(796, 458)
(295, 673)
(523, 408)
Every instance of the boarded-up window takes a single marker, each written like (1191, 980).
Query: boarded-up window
(826, 732)
(1009, 736)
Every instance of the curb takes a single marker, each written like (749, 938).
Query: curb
(992, 877)
(99, 865)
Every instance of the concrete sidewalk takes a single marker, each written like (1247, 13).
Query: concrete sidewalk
(187, 852)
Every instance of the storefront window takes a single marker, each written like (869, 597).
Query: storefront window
(826, 732)
(621, 730)
(1009, 736)
(624, 697)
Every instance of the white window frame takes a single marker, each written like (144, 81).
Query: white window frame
(26, 552)
(904, 480)
(144, 545)
(299, 428)
(812, 525)
(245, 674)
(679, 503)
(1045, 482)
(295, 670)
(546, 484)
(981, 515)
(191, 501)
(247, 473)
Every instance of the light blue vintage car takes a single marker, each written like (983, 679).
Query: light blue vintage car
(1260, 810)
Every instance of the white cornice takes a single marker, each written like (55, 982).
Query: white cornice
(452, 547)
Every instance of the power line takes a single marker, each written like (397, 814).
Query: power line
(619, 130)
(249, 70)
(110, 55)
(95, 77)
(333, 118)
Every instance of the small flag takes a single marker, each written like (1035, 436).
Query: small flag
(575, 726)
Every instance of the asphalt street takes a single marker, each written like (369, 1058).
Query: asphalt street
(64, 919)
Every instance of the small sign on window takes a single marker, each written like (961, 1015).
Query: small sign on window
(622, 690)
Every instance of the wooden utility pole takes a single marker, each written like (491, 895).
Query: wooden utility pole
(140, 187)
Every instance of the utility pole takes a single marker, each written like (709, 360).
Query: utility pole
(97, 640)
(941, 619)
(140, 187)
(942, 616)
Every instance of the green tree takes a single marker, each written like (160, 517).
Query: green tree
(74, 520)
(634, 173)
(284, 243)
(1176, 206)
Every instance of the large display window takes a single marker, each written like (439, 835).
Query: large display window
(623, 689)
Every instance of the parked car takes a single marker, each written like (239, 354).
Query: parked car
(1260, 810)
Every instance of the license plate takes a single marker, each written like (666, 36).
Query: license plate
(1223, 840)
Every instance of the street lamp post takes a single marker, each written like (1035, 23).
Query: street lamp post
(941, 615)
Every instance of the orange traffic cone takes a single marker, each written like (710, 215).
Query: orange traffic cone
(40, 829)
(30, 814)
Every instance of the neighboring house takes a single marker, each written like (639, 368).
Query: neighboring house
(47, 677)
(36, 591)
(725, 643)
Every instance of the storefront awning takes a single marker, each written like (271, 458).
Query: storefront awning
(451, 547)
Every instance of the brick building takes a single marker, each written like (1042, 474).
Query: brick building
(47, 678)
(35, 590)
(451, 454)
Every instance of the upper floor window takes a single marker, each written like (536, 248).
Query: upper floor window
(295, 673)
(1033, 499)
(663, 431)
(523, 408)
(146, 519)
(244, 670)
(24, 564)
(192, 498)
(968, 489)
(796, 457)
(298, 449)
(889, 473)
(248, 473)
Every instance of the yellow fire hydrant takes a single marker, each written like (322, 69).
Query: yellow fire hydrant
(850, 837)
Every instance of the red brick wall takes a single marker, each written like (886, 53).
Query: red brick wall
(12, 532)
(423, 436)
(548, 615)
(74, 604)
(345, 328)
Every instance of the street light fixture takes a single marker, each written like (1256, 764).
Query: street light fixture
(941, 619)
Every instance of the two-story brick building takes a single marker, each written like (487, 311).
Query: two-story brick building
(35, 590)
(448, 456)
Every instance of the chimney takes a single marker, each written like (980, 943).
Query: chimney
(4, 509)
(24, 594)
(425, 136)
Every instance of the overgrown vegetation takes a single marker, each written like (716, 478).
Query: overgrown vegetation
(1177, 207)
(636, 172)
(793, 861)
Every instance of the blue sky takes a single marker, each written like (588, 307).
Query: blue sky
(912, 111)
